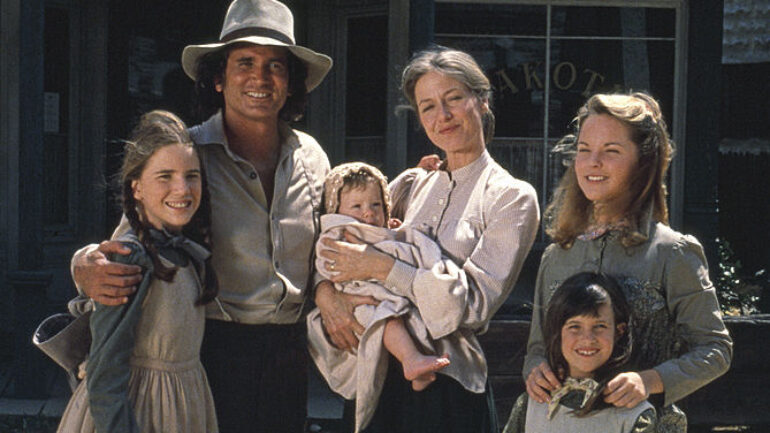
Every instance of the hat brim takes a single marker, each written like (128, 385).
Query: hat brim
(318, 65)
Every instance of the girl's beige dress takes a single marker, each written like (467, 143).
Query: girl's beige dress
(167, 385)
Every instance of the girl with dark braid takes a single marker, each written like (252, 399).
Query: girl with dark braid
(144, 371)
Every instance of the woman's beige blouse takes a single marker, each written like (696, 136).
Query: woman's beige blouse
(485, 222)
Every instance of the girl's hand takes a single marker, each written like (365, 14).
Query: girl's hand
(337, 315)
(353, 259)
(540, 382)
(631, 388)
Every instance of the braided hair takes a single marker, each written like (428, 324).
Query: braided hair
(157, 129)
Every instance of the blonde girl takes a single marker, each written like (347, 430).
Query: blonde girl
(609, 215)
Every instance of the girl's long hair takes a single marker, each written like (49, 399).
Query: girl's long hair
(569, 213)
(583, 294)
(157, 129)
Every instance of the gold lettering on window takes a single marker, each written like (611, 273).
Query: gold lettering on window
(591, 82)
(564, 77)
(530, 75)
(571, 74)
(504, 82)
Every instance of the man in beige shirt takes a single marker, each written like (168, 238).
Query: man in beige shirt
(265, 181)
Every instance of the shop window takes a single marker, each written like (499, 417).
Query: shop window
(545, 61)
(366, 74)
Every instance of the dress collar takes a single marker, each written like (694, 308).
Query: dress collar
(470, 171)
(641, 228)
(596, 231)
(572, 387)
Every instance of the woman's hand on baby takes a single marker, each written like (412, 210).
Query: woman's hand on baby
(540, 382)
(337, 315)
(353, 259)
(631, 388)
(106, 282)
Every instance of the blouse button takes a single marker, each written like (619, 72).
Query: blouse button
(441, 201)
(253, 175)
(434, 218)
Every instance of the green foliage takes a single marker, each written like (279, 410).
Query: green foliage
(737, 295)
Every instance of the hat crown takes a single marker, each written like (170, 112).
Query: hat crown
(260, 22)
(263, 15)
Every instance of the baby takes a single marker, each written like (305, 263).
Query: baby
(356, 201)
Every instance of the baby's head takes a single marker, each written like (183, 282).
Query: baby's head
(587, 327)
(358, 190)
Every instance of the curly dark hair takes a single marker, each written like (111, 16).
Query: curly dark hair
(583, 294)
(211, 69)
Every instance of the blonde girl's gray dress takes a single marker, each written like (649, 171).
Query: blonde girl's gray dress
(144, 372)
(678, 328)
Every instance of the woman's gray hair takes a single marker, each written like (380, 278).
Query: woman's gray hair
(455, 64)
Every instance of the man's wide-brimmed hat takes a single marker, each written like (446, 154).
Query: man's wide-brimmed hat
(260, 22)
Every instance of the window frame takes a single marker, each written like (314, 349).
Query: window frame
(67, 231)
(679, 96)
